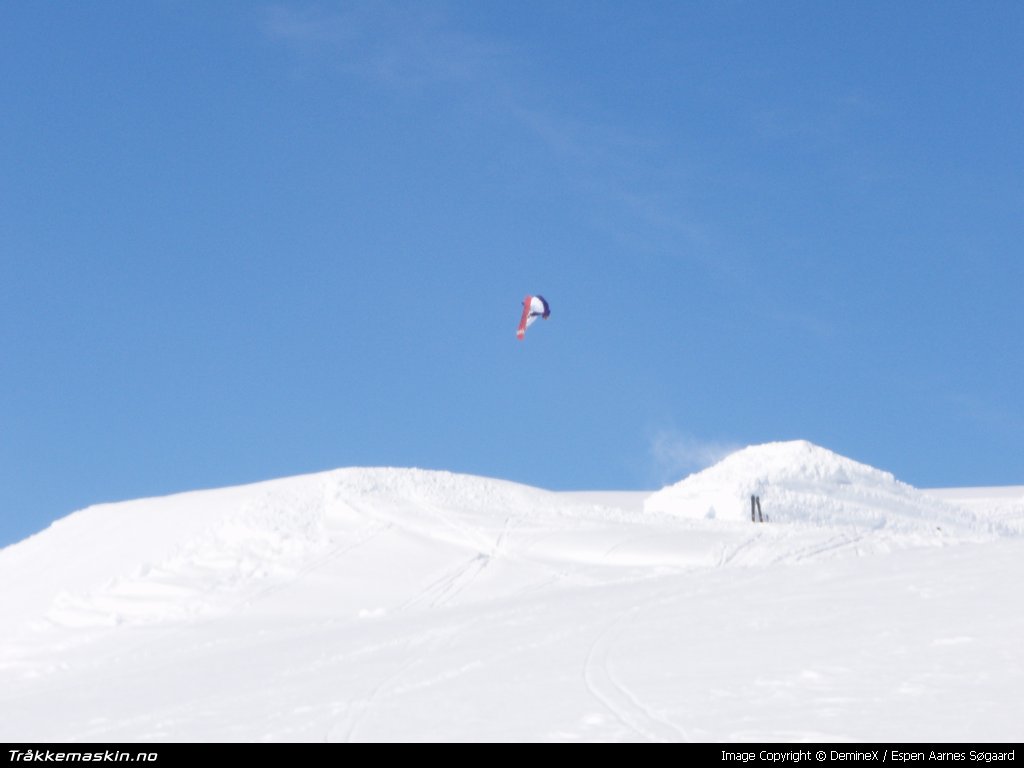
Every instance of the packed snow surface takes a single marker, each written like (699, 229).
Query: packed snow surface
(403, 604)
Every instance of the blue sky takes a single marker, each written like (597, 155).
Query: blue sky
(242, 241)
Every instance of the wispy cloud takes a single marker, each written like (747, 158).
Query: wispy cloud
(677, 455)
(398, 45)
(409, 46)
(307, 26)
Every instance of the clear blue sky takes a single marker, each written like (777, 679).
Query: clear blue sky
(241, 241)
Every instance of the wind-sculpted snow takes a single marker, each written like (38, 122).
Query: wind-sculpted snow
(196, 554)
(798, 482)
(248, 540)
(365, 604)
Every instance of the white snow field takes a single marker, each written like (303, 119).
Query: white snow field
(402, 604)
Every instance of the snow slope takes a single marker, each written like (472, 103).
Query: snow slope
(401, 604)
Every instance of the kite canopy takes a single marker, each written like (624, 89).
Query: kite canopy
(533, 307)
(544, 303)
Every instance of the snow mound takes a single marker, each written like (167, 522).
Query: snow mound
(217, 549)
(799, 482)
(204, 553)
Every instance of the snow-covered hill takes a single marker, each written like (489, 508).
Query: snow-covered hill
(405, 604)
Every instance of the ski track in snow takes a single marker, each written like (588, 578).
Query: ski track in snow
(450, 584)
(617, 697)
(346, 730)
